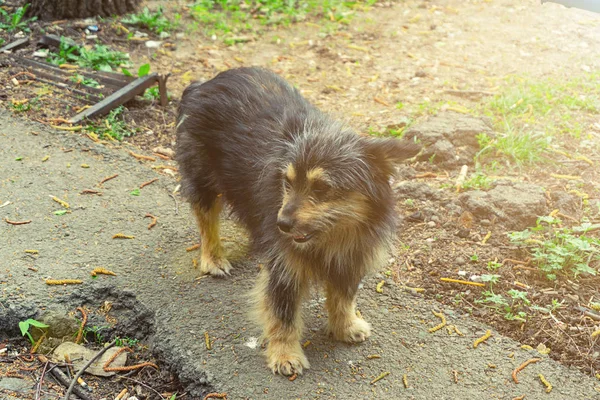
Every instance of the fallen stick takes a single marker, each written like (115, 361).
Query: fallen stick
(38, 388)
(462, 282)
(72, 387)
(520, 368)
(8, 221)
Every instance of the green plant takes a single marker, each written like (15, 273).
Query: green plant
(99, 57)
(152, 93)
(126, 341)
(16, 20)
(135, 192)
(477, 181)
(474, 257)
(493, 265)
(518, 146)
(113, 126)
(95, 330)
(25, 325)
(151, 20)
(80, 79)
(409, 203)
(560, 250)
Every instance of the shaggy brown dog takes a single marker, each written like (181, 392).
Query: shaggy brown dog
(314, 195)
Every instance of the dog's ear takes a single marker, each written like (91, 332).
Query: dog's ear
(384, 154)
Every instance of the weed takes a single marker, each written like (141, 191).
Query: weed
(560, 250)
(24, 106)
(15, 21)
(519, 146)
(477, 181)
(474, 257)
(229, 17)
(99, 57)
(409, 203)
(493, 265)
(154, 21)
(126, 341)
(25, 325)
(80, 79)
(112, 127)
(98, 337)
(152, 93)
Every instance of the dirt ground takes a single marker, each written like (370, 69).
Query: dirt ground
(398, 63)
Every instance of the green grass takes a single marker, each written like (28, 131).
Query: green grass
(529, 115)
(555, 250)
(99, 57)
(113, 126)
(227, 18)
(154, 21)
(15, 21)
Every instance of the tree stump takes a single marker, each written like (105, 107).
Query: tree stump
(67, 9)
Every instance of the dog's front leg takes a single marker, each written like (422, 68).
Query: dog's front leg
(279, 296)
(343, 322)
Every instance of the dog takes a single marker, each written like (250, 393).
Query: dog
(314, 195)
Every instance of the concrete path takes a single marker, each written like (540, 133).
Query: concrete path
(156, 293)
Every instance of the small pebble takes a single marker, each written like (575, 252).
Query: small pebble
(485, 222)
(431, 224)
(460, 260)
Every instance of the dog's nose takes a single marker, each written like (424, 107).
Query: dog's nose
(285, 224)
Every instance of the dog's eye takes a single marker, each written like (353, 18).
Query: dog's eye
(320, 189)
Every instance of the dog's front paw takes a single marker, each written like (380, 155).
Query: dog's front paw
(286, 359)
(215, 267)
(357, 331)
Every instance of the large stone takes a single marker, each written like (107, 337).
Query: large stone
(16, 384)
(517, 206)
(80, 355)
(416, 190)
(450, 138)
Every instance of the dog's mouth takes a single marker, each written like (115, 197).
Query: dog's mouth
(303, 238)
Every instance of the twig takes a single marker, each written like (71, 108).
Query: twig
(39, 384)
(8, 221)
(482, 339)
(83, 322)
(380, 377)
(142, 384)
(176, 205)
(154, 220)
(63, 281)
(82, 370)
(441, 324)
(108, 178)
(520, 368)
(462, 282)
(141, 156)
(148, 182)
(91, 191)
(62, 378)
(215, 396)
(106, 367)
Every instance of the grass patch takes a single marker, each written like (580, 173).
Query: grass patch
(555, 250)
(15, 21)
(227, 18)
(530, 114)
(154, 21)
(112, 127)
(99, 57)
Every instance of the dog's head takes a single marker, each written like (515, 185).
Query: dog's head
(333, 184)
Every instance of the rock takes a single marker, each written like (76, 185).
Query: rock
(485, 222)
(517, 206)
(417, 216)
(60, 325)
(450, 138)
(404, 172)
(16, 384)
(431, 224)
(463, 233)
(153, 44)
(165, 151)
(416, 190)
(565, 202)
(81, 355)
(460, 260)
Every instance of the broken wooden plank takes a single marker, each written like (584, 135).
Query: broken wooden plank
(118, 98)
(16, 45)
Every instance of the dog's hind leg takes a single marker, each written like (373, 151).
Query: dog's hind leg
(212, 259)
(343, 322)
(278, 298)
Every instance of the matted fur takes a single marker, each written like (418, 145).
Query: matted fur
(314, 195)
